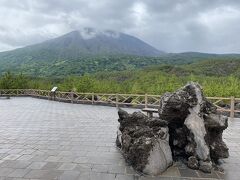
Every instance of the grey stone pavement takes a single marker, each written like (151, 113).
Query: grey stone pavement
(41, 139)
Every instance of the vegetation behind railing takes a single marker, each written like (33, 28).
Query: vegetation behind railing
(223, 104)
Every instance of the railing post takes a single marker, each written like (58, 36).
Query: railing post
(117, 100)
(54, 95)
(92, 98)
(146, 100)
(71, 94)
(232, 108)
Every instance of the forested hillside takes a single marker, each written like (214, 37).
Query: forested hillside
(93, 64)
(218, 78)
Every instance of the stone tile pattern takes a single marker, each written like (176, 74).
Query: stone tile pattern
(41, 139)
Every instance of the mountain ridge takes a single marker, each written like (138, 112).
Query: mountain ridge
(96, 43)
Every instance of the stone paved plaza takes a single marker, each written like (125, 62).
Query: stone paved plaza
(41, 139)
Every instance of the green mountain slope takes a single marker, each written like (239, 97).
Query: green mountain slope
(209, 68)
(92, 64)
(213, 67)
(90, 51)
(218, 78)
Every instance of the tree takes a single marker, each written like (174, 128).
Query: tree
(7, 81)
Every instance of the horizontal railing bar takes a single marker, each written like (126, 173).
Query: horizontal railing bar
(110, 94)
(217, 98)
(108, 98)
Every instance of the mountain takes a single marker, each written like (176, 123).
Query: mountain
(89, 51)
(90, 42)
(77, 52)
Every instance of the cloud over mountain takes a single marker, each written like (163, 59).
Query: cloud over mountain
(173, 26)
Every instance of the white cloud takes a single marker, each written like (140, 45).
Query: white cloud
(173, 26)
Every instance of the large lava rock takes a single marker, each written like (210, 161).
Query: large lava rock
(144, 142)
(195, 127)
(189, 128)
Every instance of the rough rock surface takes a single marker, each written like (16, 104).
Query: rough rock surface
(195, 127)
(144, 142)
(189, 128)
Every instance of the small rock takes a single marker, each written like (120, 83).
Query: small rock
(205, 166)
(193, 162)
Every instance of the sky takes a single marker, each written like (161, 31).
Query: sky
(211, 26)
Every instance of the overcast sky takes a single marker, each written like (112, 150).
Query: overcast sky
(169, 25)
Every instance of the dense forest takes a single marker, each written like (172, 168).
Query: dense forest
(47, 65)
(217, 77)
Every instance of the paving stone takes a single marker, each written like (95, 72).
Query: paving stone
(83, 168)
(3, 155)
(117, 169)
(130, 170)
(85, 175)
(188, 173)
(70, 175)
(184, 178)
(2, 150)
(96, 160)
(28, 151)
(6, 171)
(67, 159)
(43, 136)
(172, 172)
(37, 165)
(44, 174)
(82, 160)
(15, 164)
(100, 168)
(207, 175)
(25, 157)
(15, 151)
(19, 173)
(154, 178)
(14, 178)
(67, 166)
(105, 176)
(52, 166)
(204, 179)
(39, 158)
(66, 153)
(12, 157)
(53, 158)
(126, 177)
